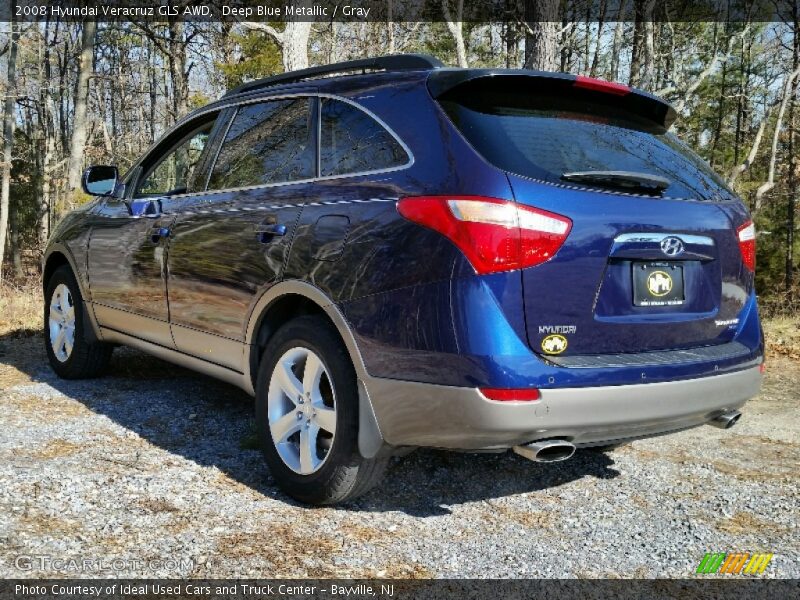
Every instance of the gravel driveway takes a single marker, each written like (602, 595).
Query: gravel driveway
(155, 468)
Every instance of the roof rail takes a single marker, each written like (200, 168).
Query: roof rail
(393, 62)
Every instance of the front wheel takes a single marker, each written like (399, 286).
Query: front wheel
(71, 353)
(307, 415)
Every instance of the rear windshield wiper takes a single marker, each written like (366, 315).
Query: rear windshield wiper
(626, 180)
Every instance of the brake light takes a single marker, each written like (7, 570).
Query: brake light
(747, 244)
(507, 395)
(599, 85)
(494, 235)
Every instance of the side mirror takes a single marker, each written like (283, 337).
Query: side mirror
(100, 180)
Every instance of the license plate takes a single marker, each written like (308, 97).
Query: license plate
(657, 284)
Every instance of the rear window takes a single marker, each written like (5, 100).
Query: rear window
(542, 135)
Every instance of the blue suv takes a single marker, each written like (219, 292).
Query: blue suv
(391, 254)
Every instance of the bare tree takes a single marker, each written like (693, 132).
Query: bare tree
(543, 21)
(78, 139)
(8, 139)
(770, 182)
(684, 90)
(174, 44)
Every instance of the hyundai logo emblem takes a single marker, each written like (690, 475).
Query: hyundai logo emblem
(672, 246)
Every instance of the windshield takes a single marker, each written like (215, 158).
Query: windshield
(546, 135)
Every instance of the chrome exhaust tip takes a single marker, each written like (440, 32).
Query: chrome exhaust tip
(726, 420)
(546, 450)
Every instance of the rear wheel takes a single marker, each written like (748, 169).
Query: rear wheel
(307, 415)
(71, 353)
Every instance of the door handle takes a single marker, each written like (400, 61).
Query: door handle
(266, 233)
(158, 233)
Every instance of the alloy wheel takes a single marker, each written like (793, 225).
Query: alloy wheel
(62, 323)
(301, 406)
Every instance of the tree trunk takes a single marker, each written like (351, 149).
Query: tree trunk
(8, 139)
(153, 90)
(642, 57)
(456, 28)
(720, 115)
(178, 74)
(77, 145)
(14, 242)
(293, 41)
(598, 42)
(541, 41)
(616, 46)
(295, 45)
(390, 26)
(512, 48)
(47, 125)
(793, 166)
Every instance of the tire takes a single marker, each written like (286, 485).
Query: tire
(85, 359)
(331, 470)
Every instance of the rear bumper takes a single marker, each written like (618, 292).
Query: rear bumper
(423, 414)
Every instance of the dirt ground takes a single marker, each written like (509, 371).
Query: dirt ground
(158, 465)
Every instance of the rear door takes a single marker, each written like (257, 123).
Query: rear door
(230, 244)
(642, 268)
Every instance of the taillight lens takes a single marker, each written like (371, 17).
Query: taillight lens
(747, 244)
(511, 395)
(495, 235)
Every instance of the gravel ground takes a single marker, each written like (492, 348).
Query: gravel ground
(156, 466)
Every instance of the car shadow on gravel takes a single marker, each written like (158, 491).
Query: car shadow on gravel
(211, 423)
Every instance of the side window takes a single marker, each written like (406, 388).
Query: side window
(174, 173)
(353, 142)
(269, 142)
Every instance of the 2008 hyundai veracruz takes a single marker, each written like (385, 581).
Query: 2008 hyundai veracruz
(390, 254)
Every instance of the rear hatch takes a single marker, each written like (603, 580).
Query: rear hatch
(653, 259)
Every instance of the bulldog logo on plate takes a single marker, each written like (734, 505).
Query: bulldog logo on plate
(659, 283)
(554, 344)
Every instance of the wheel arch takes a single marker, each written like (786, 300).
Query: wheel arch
(56, 257)
(292, 298)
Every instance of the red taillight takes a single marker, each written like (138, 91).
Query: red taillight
(506, 395)
(762, 368)
(495, 235)
(747, 244)
(599, 85)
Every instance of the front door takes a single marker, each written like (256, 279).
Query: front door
(129, 243)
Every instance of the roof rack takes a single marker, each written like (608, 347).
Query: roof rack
(393, 62)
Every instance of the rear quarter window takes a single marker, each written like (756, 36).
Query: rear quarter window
(352, 142)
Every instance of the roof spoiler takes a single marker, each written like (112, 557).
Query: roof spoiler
(653, 108)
